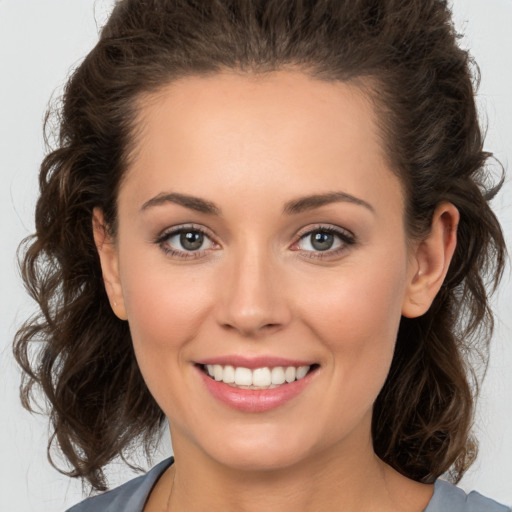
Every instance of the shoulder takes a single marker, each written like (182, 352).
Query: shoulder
(448, 498)
(129, 497)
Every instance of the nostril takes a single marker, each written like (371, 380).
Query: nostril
(250, 327)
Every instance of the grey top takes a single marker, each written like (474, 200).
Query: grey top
(132, 496)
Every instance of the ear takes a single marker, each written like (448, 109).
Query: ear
(430, 261)
(107, 252)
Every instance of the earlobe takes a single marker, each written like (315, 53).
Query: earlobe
(109, 263)
(431, 260)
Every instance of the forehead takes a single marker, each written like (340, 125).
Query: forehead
(284, 128)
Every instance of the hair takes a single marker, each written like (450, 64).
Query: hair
(404, 54)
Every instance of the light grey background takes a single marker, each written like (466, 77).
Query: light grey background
(40, 42)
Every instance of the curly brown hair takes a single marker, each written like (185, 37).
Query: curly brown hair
(404, 54)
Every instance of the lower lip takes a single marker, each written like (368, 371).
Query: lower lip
(255, 400)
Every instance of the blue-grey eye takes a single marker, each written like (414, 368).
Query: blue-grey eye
(186, 240)
(191, 240)
(320, 240)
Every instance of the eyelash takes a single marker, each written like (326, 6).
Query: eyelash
(346, 237)
(185, 255)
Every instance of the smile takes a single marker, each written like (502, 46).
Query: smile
(259, 388)
(258, 378)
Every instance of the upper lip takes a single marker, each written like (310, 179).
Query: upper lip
(253, 362)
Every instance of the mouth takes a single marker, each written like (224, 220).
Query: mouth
(258, 378)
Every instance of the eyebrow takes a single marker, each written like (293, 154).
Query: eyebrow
(292, 207)
(191, 202)
(303, 204)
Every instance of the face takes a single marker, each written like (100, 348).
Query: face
(261, 238)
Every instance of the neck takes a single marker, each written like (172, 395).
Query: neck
(337, 480)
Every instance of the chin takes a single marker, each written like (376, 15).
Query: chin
(261, 459)
(264, 451)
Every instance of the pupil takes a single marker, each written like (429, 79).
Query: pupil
(191, 240)
(322, 241)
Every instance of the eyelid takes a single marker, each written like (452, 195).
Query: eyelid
(175, 230)
(330, 228)
(183, 227)
(347, 239)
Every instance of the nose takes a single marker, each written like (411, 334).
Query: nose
(253, 299)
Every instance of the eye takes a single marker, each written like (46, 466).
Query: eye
(185, 242)
(320, 241)
(188, 240)
(327, 240)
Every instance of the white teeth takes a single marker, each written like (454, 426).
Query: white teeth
(290, 373)
(243, 376)
(228, 374)
(278, 375)
(302, 371)
(217, 372)
(259, 378)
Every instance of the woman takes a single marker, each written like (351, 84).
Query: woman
(267, 222)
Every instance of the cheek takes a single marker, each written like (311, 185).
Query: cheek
(359, 300)
(165, 311)
(165, 307)
(356, 316)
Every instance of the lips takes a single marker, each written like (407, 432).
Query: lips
(256, 385)
(259, 378)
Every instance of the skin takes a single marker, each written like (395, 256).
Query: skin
(250, 145)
